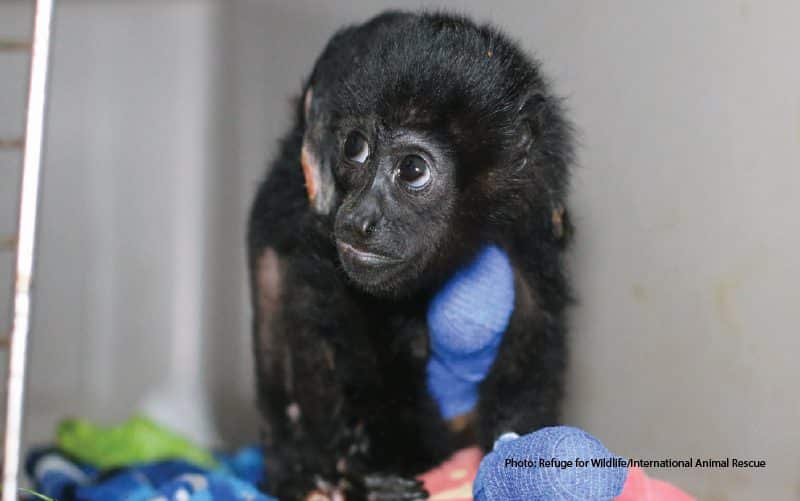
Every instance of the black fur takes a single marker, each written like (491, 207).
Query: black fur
(348, 344)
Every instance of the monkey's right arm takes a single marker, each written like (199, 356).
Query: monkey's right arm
(312, 357)
(299, 391)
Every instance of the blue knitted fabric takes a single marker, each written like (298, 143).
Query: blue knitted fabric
(500, 480)
(466, 321)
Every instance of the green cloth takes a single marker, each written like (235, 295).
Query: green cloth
(138, 440)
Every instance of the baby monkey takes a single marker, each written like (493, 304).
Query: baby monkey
(406, 259)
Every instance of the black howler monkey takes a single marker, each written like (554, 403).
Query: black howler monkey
(419, 138)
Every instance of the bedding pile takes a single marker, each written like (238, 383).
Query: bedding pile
(140, 461)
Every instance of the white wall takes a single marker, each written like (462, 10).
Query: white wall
(684, 341)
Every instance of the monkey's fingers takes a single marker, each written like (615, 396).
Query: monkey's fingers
(317, 495)
(389, 487)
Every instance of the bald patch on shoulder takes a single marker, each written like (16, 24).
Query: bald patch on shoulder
(273, 354)
(269, 282)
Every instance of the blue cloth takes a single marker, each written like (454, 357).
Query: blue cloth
(513, 471)
(247, 464)
(211, 486)
(56, 476)
(466, 320)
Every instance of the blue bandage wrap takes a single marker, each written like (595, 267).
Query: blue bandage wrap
(466, 320)
(513, 469)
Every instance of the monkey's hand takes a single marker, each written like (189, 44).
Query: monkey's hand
(386, 487)
(466, 320)
(367, 487)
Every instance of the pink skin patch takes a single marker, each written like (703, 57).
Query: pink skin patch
(310, 171)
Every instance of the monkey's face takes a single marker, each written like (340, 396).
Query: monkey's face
(422, 148)
(398, 192)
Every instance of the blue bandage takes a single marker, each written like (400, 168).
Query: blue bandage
(513, 469)
(466, 321)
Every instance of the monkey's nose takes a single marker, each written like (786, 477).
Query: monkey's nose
(363, 220)
(367, 227)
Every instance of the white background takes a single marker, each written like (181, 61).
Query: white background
(163, 115)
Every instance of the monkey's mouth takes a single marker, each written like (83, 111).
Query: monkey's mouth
(364, 258)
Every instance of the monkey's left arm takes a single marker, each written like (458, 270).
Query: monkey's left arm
(495, 352)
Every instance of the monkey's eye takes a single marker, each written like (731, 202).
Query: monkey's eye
(356, 148)
(413, 170)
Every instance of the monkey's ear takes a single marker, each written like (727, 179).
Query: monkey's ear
(320, 185)
(532, 110)
(529, 114)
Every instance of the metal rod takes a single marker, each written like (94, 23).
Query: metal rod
(31, 168)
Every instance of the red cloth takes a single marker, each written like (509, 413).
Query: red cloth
(452, 480)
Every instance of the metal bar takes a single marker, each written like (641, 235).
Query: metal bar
(14, 45)
(12, 144)
(31, 168)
